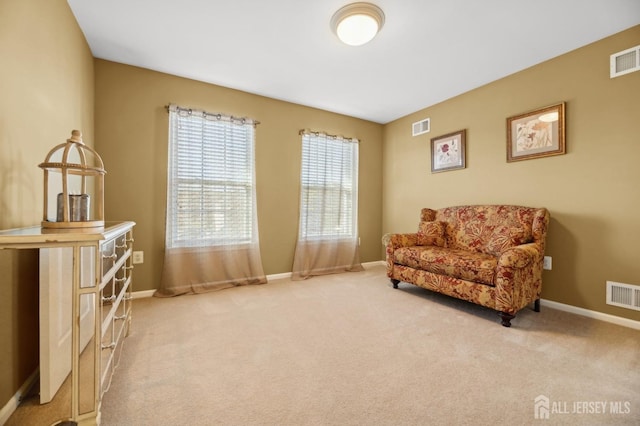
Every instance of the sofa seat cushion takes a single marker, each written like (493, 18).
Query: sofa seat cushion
(461, 264)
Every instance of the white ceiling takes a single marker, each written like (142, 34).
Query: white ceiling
(428, 50)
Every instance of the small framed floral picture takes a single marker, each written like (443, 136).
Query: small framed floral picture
(448, 152)
(536, 134)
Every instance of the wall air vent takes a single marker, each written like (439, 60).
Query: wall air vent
(625, 62)
(420, 127)
(623, 295)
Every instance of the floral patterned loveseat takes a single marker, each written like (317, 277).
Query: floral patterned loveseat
(490, 255)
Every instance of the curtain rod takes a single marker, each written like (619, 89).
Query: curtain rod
(316, 133)
(216, 115)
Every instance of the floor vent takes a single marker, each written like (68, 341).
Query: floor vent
(625, 62)
(623, 295)
(422, 126)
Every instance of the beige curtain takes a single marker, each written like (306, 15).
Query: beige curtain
(327, 232)
(325, 257)
(212, 228)
(203, 269)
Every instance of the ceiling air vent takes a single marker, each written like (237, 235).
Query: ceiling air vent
(623, 295)
(420, 127)
(625, 62)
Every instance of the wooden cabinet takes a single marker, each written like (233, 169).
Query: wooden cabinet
(96, 265)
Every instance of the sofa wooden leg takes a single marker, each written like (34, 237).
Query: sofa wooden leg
(506, 318)
(536, 305)
(395, 283)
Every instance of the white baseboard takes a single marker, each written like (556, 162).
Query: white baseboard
(13, 403)
(142, 294)
(369, 265)
(278, 276)
(625, 322)
(284, 275)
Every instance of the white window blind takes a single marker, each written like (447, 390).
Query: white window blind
(211, 196)
(329, 187)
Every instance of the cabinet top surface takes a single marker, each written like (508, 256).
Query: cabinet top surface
(36, 236)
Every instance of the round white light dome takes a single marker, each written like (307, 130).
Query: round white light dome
(357, 23)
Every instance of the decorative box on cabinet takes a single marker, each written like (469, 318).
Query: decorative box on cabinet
(95, 264)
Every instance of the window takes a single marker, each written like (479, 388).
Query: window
(211, 194)
(329, 187)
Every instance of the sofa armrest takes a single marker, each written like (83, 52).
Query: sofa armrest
(520, 256)
(402, 240)
(394, 241)
(518, 277)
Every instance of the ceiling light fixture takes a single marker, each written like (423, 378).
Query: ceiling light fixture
(357, 23)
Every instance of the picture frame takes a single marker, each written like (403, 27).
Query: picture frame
(448, 152)
(536, 134)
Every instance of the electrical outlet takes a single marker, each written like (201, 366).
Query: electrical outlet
(138, 257)
(547, 263)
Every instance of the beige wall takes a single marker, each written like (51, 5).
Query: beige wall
(131, 136)
(46, 90)
(592, 191)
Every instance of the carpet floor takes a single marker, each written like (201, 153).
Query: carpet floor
(349, 349)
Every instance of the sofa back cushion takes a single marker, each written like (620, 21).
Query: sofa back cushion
(432, 233)
(487, 229)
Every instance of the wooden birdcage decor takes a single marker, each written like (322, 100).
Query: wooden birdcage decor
(76, 173)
